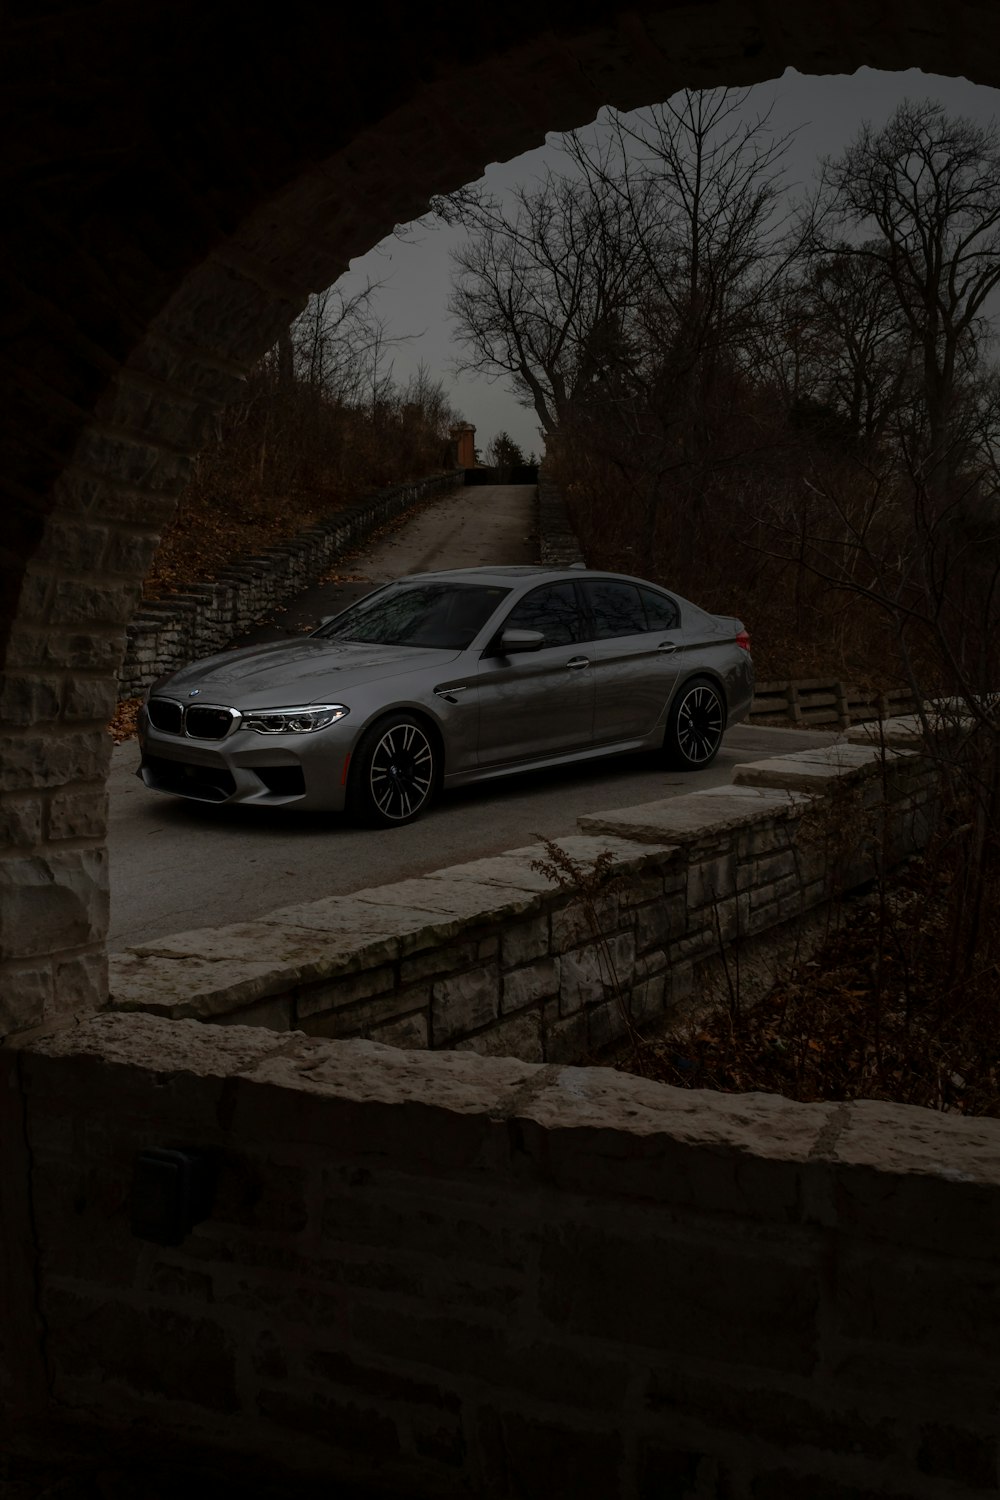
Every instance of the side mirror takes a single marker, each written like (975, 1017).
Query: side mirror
(521, 640)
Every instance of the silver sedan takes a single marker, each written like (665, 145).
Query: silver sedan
(446, 678)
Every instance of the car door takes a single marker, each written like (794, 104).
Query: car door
(637, 656)
(538, 703)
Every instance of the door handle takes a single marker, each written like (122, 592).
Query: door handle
(576, 662)
(666, 647)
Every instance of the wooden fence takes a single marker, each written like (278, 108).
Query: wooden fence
(819, 701)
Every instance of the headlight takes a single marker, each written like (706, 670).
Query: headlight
(293, 720)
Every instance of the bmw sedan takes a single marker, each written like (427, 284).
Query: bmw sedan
(446, 678)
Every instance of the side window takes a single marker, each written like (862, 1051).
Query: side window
(551, 609)
(661, 612)
(617, 609)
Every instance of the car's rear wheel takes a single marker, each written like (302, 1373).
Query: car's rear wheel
(695, 725)
(393, 772)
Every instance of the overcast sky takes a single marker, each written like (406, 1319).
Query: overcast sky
(826, 112)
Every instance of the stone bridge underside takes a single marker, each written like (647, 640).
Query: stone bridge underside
(177, 178)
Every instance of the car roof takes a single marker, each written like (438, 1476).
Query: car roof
(515, 572)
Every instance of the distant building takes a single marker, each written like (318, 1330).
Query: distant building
(464, 438)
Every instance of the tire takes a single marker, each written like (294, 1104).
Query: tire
(695, 725)
(393, 773)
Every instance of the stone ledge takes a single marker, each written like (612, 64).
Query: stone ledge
(695, 817)
(815, 770)
(606, 1112)
(206, 972)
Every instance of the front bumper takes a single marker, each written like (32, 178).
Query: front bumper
(305, 771)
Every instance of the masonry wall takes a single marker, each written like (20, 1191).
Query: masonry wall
(707, 891)
(452, 1275)
(166, 633)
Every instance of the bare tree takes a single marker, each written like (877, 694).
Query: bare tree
(924, 191)
(542, 289)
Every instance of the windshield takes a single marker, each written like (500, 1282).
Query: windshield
(444, 615)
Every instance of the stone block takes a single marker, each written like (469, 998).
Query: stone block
(524, 940)
(79, 603)
(711, 881)
(79, 813)
(74, 545)
(566, 1040)
(372, 931)
(366, 1017)
(775, 867)
(606, 1024)
(130, 553)
(641, 890)
(660, 923)
(52, 902)
(408, 1031)
(691, 819)
(80, 983)
(38, 760)
(275, 1014)
(745, 1301)
(184, 986)
(958, 1454)
(513, 1036)
(345, 1422)
(585, 978)
(451, 896)
(26, 700)
(739, 1403)
(805, 772)
(20, 823)
(582, 920)
(529, 984)
(646, 998)
(26, 996)
(89, 698)
(561, 1457)
(154, 1352)
(335, 993)
(765, 837)
(919, 1305)
(464, 1003)
(437, 961)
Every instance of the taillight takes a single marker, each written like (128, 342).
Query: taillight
(743, 640)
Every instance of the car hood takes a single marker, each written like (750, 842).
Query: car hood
(310, 670)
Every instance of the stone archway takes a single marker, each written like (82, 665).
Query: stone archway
(180, 178)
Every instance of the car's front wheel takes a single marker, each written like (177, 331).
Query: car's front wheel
(694, 726)
(393, 772)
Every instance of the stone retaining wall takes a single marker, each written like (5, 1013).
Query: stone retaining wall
(560, 546)
(492, 956)
(165, 633)
(451, 1275)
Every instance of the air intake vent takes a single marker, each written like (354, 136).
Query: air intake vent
(206, 723)
(165, 715)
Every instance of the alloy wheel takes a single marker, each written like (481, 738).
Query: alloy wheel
(700, 722)
(401, 772)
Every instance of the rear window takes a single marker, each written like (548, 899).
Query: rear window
(662, 612)
(616, 608)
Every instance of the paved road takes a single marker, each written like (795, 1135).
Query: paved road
(177, 865)
(490, 523)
